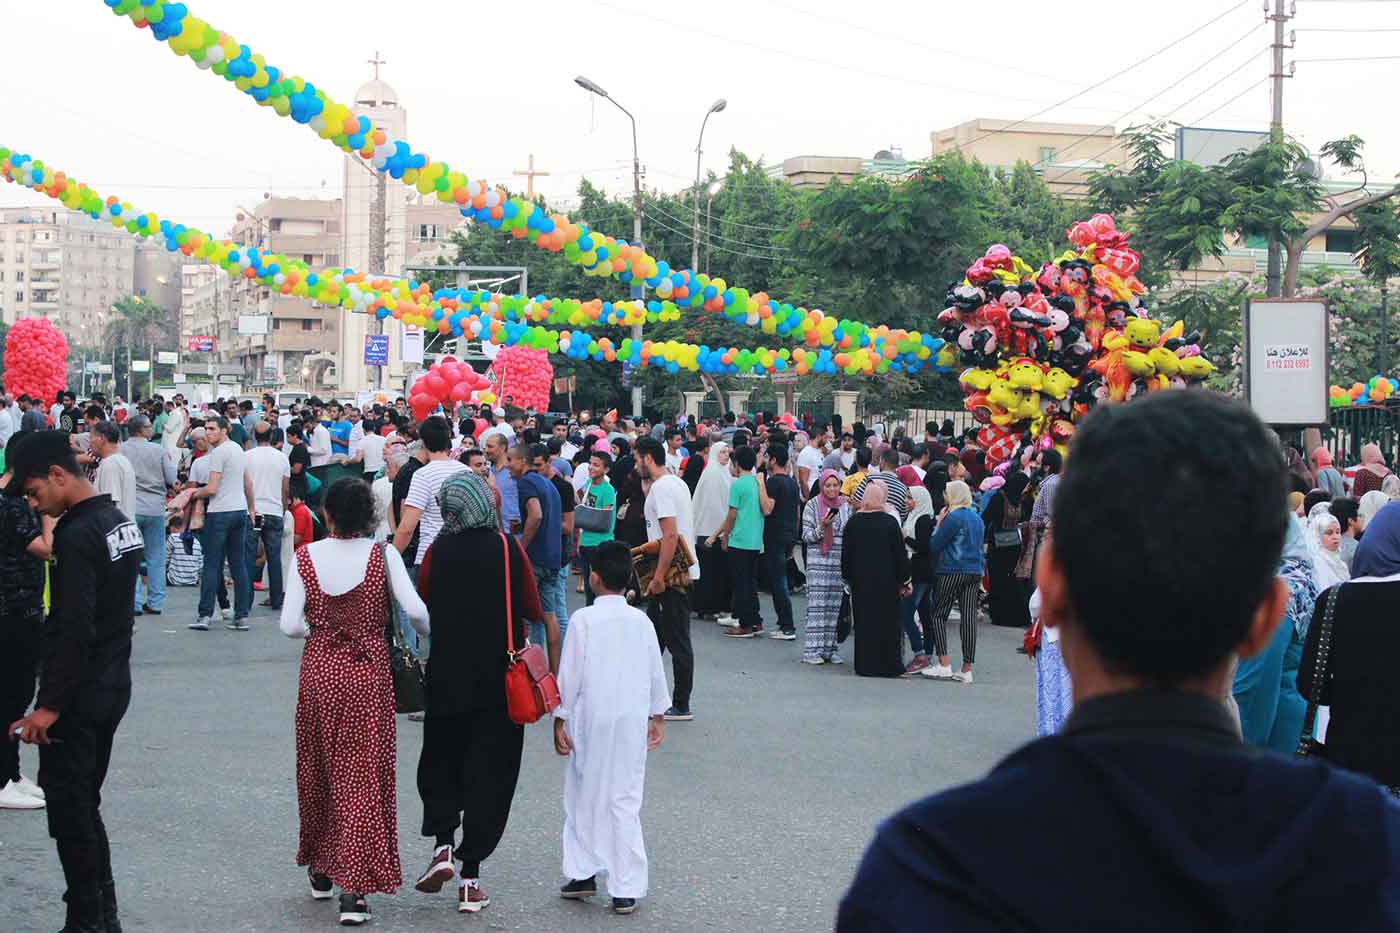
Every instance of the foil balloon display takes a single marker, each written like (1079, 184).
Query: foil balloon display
(447, 383)
(523, 377)
(36, 359)
(1040, 347)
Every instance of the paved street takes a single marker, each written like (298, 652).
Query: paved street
(756, 813)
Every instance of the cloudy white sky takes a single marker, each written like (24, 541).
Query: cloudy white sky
(487, 83)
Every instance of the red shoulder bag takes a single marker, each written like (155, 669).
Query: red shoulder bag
(531, 690)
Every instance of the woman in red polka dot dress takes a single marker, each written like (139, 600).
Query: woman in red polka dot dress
(345, 706)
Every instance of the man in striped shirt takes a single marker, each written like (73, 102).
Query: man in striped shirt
(898, 501)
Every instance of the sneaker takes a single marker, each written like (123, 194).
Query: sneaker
(237, 625)
(836, 659)
(322, 889)
(470, 898)
(963, 677)
(817, 660)
(624, 905)
(29, 787)
(727, 621)
(201, 624)
(678, 715)
(227, 612)
(938, 672)
(782, 635)
(579, 890)
(150, 610)
(442, 869)
(12, 798)
(743, 631)
(269, 604)
(919, 663)
(418, 716)
(354, 911)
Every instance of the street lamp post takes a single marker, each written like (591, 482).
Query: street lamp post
(638, 291)
(710, 203)
(716, 107)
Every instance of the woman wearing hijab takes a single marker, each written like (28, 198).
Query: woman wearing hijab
(936, 478)
(1300, 478)
(1357, 684)
(956, 548)
(1266, 686)
(918, 528)
(1328, 477)
(1391, 487)
(875, 566)
(1371, 474)
(470, 761)
(824, 519)
(1325, 543)
(1008, 597)
(973, 462)
(710, 504)
(695, 463)
(1371, 503)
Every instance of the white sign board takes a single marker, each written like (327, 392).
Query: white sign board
(1285, 360)
(140, 366)
(254, 325)
(167, 357)
(412, 345)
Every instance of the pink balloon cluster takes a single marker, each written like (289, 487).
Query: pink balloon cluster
(524, 375)
(446, 382)
(36, 359)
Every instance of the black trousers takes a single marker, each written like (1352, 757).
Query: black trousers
(71, 772)
(670, 614)
(743, 572)
(467, 773)
(19, 667)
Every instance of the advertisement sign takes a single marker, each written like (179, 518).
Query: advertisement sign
(1285, 360)
(101, 369)
(140, 366)
(167, 357)
(413, 345)
(201, 345)
(254, 325)
(376, 349)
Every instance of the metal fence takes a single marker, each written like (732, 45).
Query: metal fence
(1351, 428)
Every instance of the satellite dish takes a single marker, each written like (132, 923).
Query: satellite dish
(1310, 166)
(884, 155)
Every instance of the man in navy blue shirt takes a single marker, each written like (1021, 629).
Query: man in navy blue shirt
(541, 517)
(1146, 812)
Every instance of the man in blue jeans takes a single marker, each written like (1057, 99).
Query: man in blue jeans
(230, 502)
(540, 535)
(155, 472)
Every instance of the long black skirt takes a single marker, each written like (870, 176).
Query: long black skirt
(713, 593)
(1008, 598)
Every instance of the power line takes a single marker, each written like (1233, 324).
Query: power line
(721, 248)
(1362, 58)
(1205, 116)
(731, 239)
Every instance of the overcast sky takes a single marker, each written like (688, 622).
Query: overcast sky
(486, 83)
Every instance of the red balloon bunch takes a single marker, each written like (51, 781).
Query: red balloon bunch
(524, 375)
(36, 359)
(446, 382)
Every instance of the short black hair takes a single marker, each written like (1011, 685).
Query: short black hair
(33, 453)
(604, 457)
(674, 432)
(746, 457)
(435, 434)
(740, 439)
(95, 411)
(350, 506)
(294, 429)
(296, 488)
(1169, 496)
(108, 431)
(889, 457)
(863, 457)
(778, 453)
(729, 417)
(554, 445)
(539, 450)
(649, 448)
(919, 450)
(1051, 461)
(1314, 498)
(466, 456)
(1345, 509)
(612, 562)
(220, 420)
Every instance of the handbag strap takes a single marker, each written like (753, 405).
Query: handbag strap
(1324, 648)
(510, 615)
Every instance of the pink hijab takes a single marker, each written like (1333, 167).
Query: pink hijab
(1372, 460)
(825, 504)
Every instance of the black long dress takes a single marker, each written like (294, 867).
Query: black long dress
(1008, 598)
(875, 566)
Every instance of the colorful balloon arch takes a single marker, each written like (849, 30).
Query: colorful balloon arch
(1040, 345)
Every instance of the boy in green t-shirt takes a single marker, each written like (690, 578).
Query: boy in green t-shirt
(742, 533)
(598, 494)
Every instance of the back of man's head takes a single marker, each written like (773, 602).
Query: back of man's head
(1169, 523)
(435, 434)
(746, 457)
(262, 431)
(889, 459)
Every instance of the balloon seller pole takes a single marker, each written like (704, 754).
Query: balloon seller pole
(638, 290)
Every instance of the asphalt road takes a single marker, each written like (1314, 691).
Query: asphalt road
(756, 813)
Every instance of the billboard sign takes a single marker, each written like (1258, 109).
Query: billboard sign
(201, 344)
(254, 325)
(1285, 360)
(167, 357)
(1205, 146)
(413, 345)
(140, 366)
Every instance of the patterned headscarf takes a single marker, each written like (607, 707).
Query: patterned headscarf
(466, 502)
(1296, 569)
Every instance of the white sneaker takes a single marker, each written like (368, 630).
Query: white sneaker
(938, 672)
(12, 798)
(728, 621)
(816, 660)
(227, 612)
(963, 677)
(29, 787)
(836, 659)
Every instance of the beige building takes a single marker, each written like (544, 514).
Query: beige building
(817, 171)
(63, 265)
(1064, 153)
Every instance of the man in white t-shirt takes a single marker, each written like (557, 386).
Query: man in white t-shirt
(670, 520)
(809, 461)
(368, 451)
(173, 433)
(230, 495)
(318, 444)
(270, 472)
(115, 474)
(675, 455)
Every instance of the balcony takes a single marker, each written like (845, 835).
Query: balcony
(1310, 259)
(304, 340)
(43, 264)
(45, 304)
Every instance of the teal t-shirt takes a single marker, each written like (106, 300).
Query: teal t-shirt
(747, 533)
(599, 496)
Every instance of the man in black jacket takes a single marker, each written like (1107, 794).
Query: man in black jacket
(1146, 812)
(85, 683)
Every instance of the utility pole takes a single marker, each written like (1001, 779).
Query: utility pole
(378, 234)
(1280, 16)
(638, 289)
(1383, 358)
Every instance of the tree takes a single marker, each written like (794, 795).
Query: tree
(133, 329)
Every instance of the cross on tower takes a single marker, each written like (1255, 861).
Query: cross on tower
(376, 61)
(530, 174)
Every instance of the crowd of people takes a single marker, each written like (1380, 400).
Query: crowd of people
(340, 514)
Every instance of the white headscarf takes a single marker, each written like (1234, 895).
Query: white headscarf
(710, 504)
(1371, 503)
(923, 505)
(1329, 566)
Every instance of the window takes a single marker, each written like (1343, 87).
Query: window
(430, 231)
(308, 259)
(19, 294)
(19, 275)
(1341, 241)
(306, 325)
(1046, 155)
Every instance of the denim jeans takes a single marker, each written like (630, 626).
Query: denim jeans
(551, 587)
(153, 539)
(908, 607)
(418, 645)
(225, 537)
(775, 560)
(271, 537)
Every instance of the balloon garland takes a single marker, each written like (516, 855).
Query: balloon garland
(1376, 389)
(36, 359)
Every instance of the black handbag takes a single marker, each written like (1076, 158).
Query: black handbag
(410, 695)
(843, 619)
(1309, 747)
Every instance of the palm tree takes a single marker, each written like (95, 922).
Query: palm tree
(134, 327)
